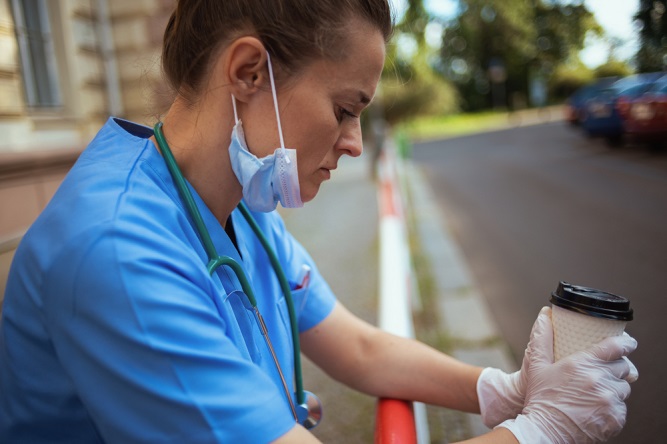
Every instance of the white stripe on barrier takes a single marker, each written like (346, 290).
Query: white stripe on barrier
(394, 311)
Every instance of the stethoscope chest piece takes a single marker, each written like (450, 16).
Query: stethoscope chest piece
(310, 412)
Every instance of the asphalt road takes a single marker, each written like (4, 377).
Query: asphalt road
(534, 205)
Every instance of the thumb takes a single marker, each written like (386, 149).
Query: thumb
(541, 346)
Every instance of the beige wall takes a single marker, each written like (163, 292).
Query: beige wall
(37, 147)
(137, 27)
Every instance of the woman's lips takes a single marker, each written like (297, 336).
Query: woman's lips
(326, 173)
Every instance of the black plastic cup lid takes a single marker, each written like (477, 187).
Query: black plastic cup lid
(591, 302)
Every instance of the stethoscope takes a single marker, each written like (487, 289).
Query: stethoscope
(308, 408)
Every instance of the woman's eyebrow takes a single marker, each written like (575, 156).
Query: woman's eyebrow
(363, 98)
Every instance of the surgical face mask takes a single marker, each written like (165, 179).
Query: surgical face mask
(268, 180)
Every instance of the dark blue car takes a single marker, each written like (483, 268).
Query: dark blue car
(602, 114)
(574, 105)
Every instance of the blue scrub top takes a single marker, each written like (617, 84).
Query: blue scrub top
(113, 331)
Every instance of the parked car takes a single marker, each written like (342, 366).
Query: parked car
(574, 105)
(602, 112)
(646, 117)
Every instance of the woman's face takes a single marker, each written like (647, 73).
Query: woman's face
(320, 109)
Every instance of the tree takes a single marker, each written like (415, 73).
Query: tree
(488, 37)
(613, 68)
(410, 86)
(498, 45)
(567, 78)
(652, 19)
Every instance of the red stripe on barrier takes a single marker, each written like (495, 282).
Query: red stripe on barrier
(388, 204)
(395, 422)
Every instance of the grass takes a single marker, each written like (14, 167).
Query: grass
(435, 127)
(453, 125)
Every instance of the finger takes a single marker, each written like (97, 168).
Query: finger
(540, 347)
(619, 369)
(633, 373)
(626, 335)
(613, 347)
(621, 389)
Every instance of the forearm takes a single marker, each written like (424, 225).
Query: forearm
(402, 368)
(380, 364)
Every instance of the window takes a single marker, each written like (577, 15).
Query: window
(38, 62)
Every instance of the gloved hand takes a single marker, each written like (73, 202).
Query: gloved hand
(579, 399)
(501, 395)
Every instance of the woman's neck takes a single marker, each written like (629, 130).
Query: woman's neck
(199, 138)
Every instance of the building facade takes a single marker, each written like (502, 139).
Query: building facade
(65, 67)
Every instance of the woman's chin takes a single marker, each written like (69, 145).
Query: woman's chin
(310, 193)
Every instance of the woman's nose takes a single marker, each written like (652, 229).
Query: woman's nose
(350, 141)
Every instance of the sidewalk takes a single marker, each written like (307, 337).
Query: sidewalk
(340, 230)
(467, 329)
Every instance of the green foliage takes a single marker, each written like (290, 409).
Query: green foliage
(490, 53)
(523, 37)
(613, 68)
(489, 33)
(414, 22)
(652, 53)
(412, 88)
(562, 29)
(438, 127)
(566, 79)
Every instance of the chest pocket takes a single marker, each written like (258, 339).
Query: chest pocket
(299, 297)
(246, 322)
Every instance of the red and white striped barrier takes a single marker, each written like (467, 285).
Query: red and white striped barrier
(395, 419)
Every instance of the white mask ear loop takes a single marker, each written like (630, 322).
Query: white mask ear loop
(236, 116)
(275, 104)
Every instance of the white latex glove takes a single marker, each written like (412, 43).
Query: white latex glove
(579, 399)
(501, 395)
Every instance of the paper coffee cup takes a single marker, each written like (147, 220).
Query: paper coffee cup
(583, 316)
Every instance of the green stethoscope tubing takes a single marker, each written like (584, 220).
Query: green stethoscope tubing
(216, 260)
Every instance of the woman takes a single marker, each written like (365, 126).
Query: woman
(118, 327)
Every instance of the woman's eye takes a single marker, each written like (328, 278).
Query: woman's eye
(343, 113)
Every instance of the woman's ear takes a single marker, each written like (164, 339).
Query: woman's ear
(244, 65)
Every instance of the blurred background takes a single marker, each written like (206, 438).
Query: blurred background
(541, 125)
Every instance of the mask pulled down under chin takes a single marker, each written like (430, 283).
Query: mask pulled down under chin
(268, 180)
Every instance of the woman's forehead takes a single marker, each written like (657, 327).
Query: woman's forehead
(360, 68)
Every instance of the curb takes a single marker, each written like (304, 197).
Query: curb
(463, 313)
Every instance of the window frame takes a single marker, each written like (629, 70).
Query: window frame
(49, 97)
